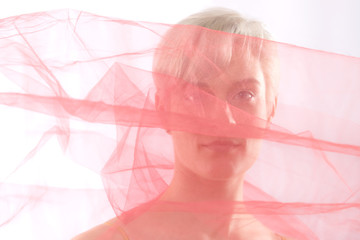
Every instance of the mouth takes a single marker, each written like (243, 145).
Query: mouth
(222, 145)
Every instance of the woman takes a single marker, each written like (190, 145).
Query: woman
(183, 133)
(223, 78)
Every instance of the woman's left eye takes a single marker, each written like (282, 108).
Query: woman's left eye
(244, 96)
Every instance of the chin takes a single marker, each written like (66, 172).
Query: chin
(225, 171)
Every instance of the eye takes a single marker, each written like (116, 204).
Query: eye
(243, 96)
(188, 97)
(191, 96)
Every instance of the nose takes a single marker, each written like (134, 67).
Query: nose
(221, 111)
(229, 114)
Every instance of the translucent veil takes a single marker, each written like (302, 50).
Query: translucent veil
(85, 96)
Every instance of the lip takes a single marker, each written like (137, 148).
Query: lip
(221, 145)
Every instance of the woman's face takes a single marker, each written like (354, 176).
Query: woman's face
(241, 85)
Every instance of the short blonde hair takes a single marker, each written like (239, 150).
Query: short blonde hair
(184, 52)
(227, 20)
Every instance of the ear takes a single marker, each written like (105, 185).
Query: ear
(272, 109)
(157, 102)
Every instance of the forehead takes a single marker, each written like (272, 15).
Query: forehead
(241, 69)
(205, 56)
(227, 54)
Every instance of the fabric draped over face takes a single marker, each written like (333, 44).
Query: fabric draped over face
(192, 53)
(80, 90)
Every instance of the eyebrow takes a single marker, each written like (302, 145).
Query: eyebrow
(250, 80)
(242, 81)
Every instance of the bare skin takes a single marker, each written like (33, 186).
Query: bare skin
(179, 226)
(204, 172)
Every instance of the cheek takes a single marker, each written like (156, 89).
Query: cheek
(253, 148)
(260, 106)
(184, 146)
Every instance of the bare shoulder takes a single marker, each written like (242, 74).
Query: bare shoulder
(108, 230)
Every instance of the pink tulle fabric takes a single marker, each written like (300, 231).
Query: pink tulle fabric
(87, 121)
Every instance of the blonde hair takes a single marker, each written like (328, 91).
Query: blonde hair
(227, 20)
(190, 50)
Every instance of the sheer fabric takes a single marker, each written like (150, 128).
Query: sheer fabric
(85, 97)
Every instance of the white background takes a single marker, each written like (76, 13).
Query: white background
(329, 25)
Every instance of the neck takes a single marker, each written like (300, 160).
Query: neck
(189, 187)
